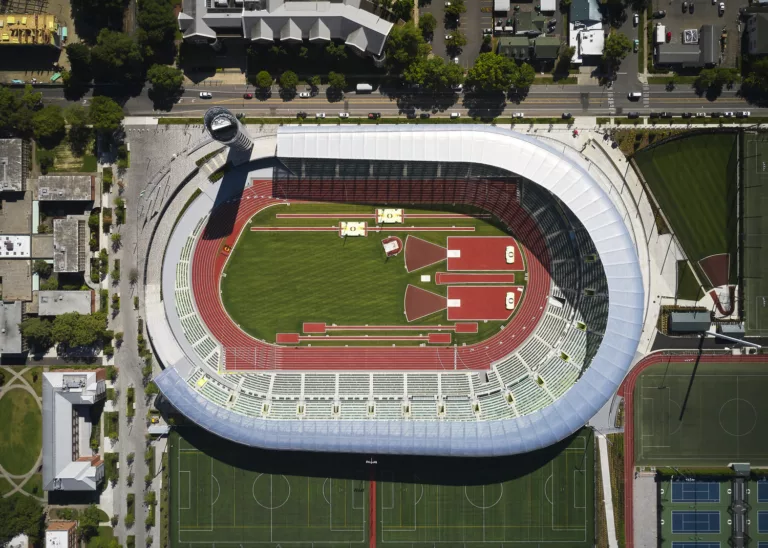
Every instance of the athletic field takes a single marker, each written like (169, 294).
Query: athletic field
(275, 281)
(694, 181)
(230, 495)
(755, 227)
(708, 414)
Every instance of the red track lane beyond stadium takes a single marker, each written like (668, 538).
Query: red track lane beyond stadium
(245, 353)
(373, 216)
(626, 390)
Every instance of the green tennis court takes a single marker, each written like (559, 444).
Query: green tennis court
(755, 228)
(231, 495)
(703, 417)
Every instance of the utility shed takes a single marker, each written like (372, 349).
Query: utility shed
(696, 321)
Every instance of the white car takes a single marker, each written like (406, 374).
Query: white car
(721, 8)
(728, 114)
(742, 114)
(518, 115)
(206, 95)
(343, 114)
(487, 31)
(701, 115)
(447, 4)
(305, 95)
(636, 20)
(455, 60)
(449, 36)
(320, 115)
(455, 115)
(458, 88)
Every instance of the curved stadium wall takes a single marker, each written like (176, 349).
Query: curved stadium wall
(497, 149)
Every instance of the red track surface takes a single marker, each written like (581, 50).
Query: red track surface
(420, 303)
(626, 390)
(373, 216)
(243, 352)
(421, 253)
(447, 278)
(482, 302)
(480, 253)
(470, 327)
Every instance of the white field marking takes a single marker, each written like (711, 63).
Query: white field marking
(218, 494)
(330, 513)
(189, 489)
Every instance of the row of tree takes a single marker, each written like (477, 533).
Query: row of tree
(21, 515)
(70, 330)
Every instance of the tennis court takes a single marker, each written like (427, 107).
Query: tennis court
(762, 491)
(755, 229)
(231, 495)
(695, 545)
(696, 521)
(695, 491)
(701, 414)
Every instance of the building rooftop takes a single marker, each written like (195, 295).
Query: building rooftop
(17, 279)
(52, 188)
(30, 29)
(10, 336)
(527, 21)
(15, 212)
(67, 462)
(13, 174)
(515, 47)
(760, 22)
(546, 47)
(585, 11)
(705, 53)
(54, 303)
(68, 250)
(15, 247)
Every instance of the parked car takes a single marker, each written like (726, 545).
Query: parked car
(449, 36)
(742, 114)
(455, 115)
(301, 115)
(458, 88)
(487, 31)
(247, 95)
(687, 115)
(636, 19)
(701, 115)
(655, 115)
(715, 114)
(729, 114)
(343, 114)
(206, 95)
(567, 115)
(518, 115)
(636, 45)
(320, 115)
(17, 81)
(455, 60)
(659, 14)
(447, 4)
(374, 115)
(685, 7)
(305, 95)
(633, 115)
(721, 9)
(424, 115)
(690, 8)
(669, 36)
(666, 115)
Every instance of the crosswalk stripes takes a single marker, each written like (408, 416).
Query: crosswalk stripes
(611, 102)
(646, 95)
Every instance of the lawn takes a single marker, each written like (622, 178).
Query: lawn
(687, 286)
(67, 161)
(20, 431)
(694, 181)
(5, 486)
(319, 277)
(224, 496)
(34, 377)
(704, 415)
(755, 226)
(35, 485)
(102, 539)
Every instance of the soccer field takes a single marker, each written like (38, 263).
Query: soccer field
(276, 281)
(755, 215)
(232, 495)
(710, 418)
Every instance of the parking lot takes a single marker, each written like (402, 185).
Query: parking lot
(705, 12)
(471, 23)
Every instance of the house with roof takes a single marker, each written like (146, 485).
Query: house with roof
(585, 31)
(704, 53)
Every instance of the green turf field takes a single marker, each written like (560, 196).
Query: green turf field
(230, 495)
(710, 418)
(319, 277)
(694, 181)
(755, 227)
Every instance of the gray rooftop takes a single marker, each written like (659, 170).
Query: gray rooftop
(67, 247)
(12, 173)
(287, 20)
(10, 336)
(703, 54)
(53, 303)
(52, 188)
(689, 321)
(17, 279)
(585, 10)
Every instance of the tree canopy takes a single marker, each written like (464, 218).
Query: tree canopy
(104, 114)
(263, 80)
(21, 514)
(491, 72)
(37, 332)
(524, 77)
(116, 57)
(427, 24)
(73, 329)
(288, 81)
(456, 8)
(157, 29)
(88, 522)
(617, 45)
(434, 74)
(79, 55)
(457, 40)
(49, 125)
(405, 45)
(403, 9)
(337, 81)
(165, 80)
(756, 81)
(17, 110)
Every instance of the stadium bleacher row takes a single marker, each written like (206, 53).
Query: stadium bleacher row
(540, 371)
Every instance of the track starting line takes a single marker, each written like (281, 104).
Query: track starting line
(320, 327)
(368, 229)
(295, 338)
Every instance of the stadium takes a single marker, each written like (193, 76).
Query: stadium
(404, 290)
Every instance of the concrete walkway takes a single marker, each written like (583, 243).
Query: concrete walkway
(605, 472)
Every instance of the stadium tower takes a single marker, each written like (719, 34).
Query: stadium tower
(224, 127)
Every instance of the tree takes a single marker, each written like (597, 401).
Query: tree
(263, 80)
(151, 389)
(289, 81)
(116, 239)
(117, 58)
(49, 125)
(337, 81)
(565, 5)
(104, 114)
(617, 45)
(157, 28)
(315, 81)
(434, 73)
(21, 514)
(79, 55)
(756, 81)
(79, 132)
(524, 77)
(133, 276)
(405, 45)
(88, 522)
(457, 40)
(37, 332)
(166, 81)
(42, 268)
(563, 64)
(491, 72)
(427, 24)
(73, 329)
(403, 9)
(456, 8)
(335, 51)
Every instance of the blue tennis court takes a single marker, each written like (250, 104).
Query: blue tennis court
(697, 522)
(762, 521)
(697, 491)
(700, 545)
(762, 544)
(762, 491)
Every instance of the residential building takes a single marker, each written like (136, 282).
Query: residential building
(61, 534)
(68, 461)
(515, 47)
(585, 31)
(546, 48)
(757, 34)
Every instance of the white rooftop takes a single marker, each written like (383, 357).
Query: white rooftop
(15, 247)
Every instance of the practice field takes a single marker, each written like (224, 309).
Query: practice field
(704, 415)
(694, 181)
(227, 495)
(275, 281)
(755, 227)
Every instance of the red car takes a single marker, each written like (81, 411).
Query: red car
(248, 96)
(669, 36)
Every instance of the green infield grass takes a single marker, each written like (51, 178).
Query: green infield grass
(755, 228)
(273, 282)
(226, 495)
(694, 181)
(706, 414)
(21, 431)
